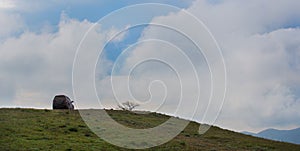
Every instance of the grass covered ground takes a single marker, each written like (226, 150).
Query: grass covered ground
(31, 129)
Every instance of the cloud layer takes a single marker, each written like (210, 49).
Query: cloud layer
(34, 67)
(260, 41)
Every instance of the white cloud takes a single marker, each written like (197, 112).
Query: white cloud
(11, 23)
(262, 73)
(262, 57)
(36, 66)
(7, 4)
(175, 52)
(115, 36)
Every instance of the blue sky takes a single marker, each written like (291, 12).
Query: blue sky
(114, 48)
(259, 39)
(49, 12)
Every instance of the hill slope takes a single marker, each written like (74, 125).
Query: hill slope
(29, 129)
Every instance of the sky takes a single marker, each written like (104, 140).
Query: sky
(259, 41)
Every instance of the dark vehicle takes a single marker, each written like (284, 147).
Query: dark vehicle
(62, 102)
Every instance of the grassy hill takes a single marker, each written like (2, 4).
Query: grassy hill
(31, 129)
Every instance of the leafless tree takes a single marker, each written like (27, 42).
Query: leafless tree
(128, 106)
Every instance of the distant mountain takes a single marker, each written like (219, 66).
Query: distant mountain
(291, 136)
(248, 133)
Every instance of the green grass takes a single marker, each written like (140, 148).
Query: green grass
(31, 129)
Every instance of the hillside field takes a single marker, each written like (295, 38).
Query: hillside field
(42, 129)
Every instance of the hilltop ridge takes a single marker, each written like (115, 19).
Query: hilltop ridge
(32, 129)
